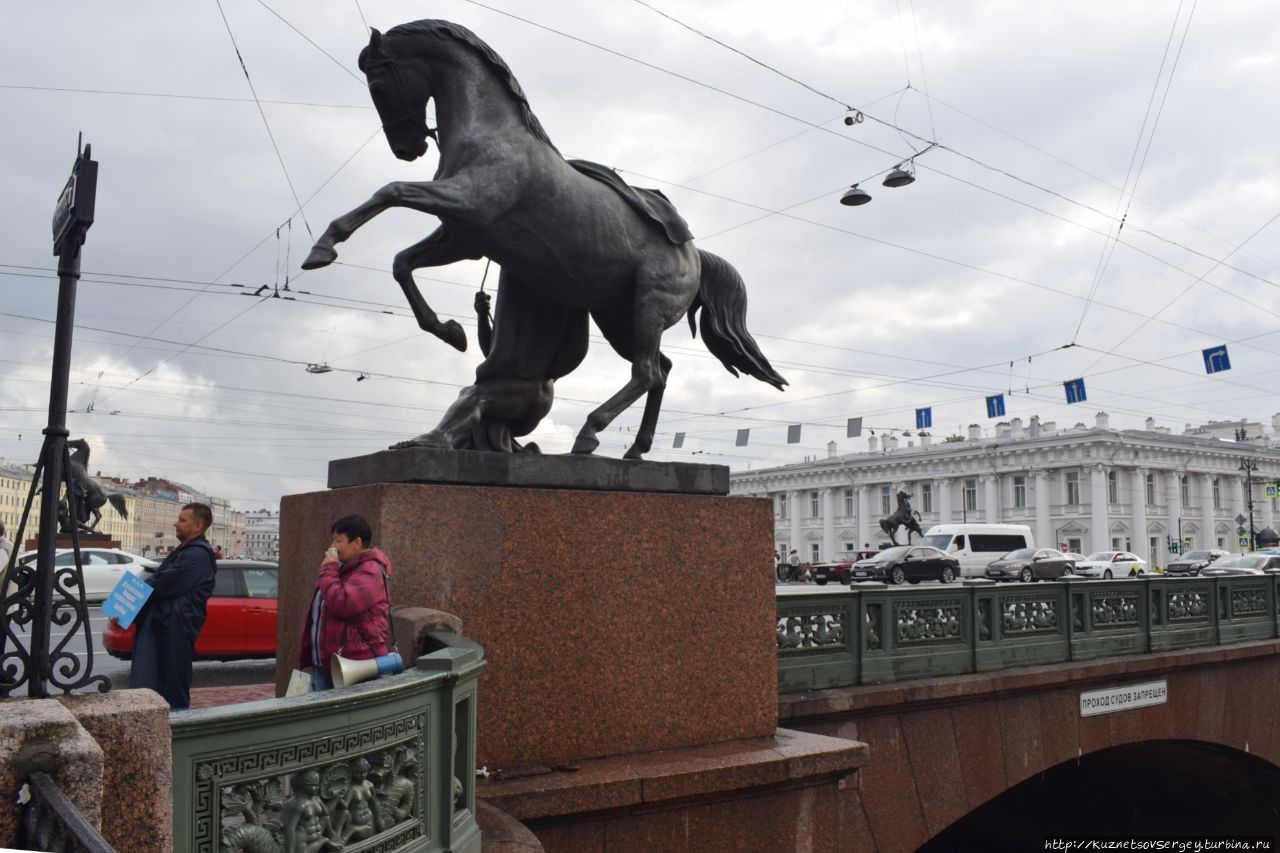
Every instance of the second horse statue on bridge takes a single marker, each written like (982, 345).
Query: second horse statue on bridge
(904, 517)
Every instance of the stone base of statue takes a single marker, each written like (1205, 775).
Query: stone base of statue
(87, 540)
(630, 634)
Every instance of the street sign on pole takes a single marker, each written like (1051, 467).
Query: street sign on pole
(995, 406)
(924, 418)
(1244, 541)
(1075, 390)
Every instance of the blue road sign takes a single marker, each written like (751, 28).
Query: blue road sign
(1216, 359)
(924, 418)
(1075, 390)
(995, 406)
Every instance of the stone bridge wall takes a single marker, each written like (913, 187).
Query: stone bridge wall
(942, 747)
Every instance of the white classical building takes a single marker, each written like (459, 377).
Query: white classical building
(262, 534)
(1088, 488)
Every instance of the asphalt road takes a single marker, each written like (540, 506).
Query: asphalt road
(207, 673)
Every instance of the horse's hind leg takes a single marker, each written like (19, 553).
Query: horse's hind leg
(652, 406)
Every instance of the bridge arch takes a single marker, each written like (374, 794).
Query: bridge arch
(1158, 788)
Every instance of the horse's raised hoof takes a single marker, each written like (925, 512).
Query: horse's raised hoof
(427, 439)
(321, 256)
(451, 333)
(634, 452)
(585, 444)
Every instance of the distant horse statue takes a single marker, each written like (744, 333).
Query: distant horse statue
(904, 517)
(88, 497)
(573, 241)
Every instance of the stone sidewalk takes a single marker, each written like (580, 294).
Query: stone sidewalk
(213, 697)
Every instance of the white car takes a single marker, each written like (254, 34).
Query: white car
(101, 568)
(1111, 564)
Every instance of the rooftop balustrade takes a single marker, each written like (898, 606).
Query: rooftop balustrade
(873, 633)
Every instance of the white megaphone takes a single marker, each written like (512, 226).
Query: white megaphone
(346, 672)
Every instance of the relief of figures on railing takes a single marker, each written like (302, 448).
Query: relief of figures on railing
(327, 808)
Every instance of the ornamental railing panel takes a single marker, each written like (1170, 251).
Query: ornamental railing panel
(871, 633)
(387, 765)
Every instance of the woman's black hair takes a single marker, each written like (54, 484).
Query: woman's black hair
(354, 527)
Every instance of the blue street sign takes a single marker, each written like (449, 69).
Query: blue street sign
(1216, 359)
(1075, 390)
(995, 406)
(924, 418)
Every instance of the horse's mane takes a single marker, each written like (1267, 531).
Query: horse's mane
(448, 29)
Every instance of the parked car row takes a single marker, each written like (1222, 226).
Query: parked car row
(100, 568)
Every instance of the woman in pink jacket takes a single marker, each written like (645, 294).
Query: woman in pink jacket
(349, 610)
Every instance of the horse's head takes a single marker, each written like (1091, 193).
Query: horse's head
(400, 95)
(903, 497)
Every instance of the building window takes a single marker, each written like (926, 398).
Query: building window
(1217, 496)
(814, 555)
(1020, 492)
(1151, 491)
(848, 547)
(1184, 491)
(970, 493)
(1153, 547)
(1073, 487)
(848, 503)
(926, 497)
(886, 498)
(782, 506)
(1113, 487)
(1074, 544)
(815, 505)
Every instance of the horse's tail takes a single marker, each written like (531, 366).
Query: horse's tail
(117, 501)
(722, 296)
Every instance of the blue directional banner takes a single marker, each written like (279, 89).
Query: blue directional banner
(995, 406)
(924, 418)
(1075, 390)
(1216, 359)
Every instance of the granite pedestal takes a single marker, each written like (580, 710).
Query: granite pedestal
(628, 619)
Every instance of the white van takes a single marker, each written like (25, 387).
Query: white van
(976, 545)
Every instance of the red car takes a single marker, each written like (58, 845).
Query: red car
(241, 620)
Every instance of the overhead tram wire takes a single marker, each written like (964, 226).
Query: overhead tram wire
(308, 39)
(182, 97)
(1108, 248)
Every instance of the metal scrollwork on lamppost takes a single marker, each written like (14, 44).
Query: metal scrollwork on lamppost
(39, 596)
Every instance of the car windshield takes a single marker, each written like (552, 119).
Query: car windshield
(891, 553)
(937, 540)
(1102, 556)
(1196, 555)
(1020, 554)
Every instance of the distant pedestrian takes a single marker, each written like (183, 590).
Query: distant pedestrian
(170, 621)
(217, 553)
(350, 610)
(794, 560)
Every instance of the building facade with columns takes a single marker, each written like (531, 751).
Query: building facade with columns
(1086, 488)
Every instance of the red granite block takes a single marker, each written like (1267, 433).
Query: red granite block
(1264, 698)
(1060, 726)
(1020, 726)
(854, 828)
(1213, 704)
(977, 732)
(1095, 733)
(1240, 682)
(935, 760)
(612, 622)
(585, 837)
(1184, 701)
(888, 787)
(132, 729)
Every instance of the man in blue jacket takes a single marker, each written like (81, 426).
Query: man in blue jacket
(165, 642)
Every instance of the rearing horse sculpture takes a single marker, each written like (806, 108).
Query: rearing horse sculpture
(904, 517)
(572, 239)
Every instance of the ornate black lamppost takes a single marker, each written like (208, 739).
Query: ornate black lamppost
(47, 595)
(1248, 466)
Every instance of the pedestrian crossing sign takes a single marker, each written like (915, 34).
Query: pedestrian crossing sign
(1269, 490)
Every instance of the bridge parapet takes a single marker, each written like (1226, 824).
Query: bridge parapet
(386, 765)
(873, 633)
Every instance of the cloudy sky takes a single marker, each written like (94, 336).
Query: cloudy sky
(1000, 269)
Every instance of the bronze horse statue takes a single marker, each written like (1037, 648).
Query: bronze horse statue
(572, 239)
(86, 495)
(905, 516)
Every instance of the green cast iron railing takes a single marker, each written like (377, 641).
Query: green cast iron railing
(872, 633)
(387, 765)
